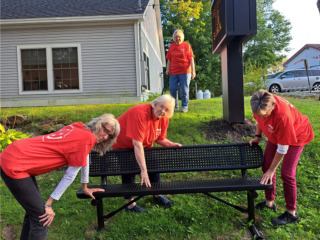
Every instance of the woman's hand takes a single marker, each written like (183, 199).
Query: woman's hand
(48, 216)
(90, 191)
(145, 178)
(268, 175)
(255, 140)
(175, 144)
(193, 74)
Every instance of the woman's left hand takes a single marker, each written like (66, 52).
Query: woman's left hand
(268, 175)
(48, 216)
(90, 191)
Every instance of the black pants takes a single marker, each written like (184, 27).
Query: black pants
(130, 178)
(27, 193)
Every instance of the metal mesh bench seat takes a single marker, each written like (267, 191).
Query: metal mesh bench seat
(239, 156)
(179, 187)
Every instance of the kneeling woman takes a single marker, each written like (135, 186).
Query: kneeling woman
(24, 159)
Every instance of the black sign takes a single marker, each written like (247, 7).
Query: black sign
(232, 20)
(219, 30)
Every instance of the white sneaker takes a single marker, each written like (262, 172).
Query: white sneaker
(184, 110)
(176, 108)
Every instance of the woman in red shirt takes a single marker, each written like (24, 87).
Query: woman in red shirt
(22, 160)
(142, 125)
(287, 131)
(180, 66)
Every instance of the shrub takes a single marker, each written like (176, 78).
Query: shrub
(7, 137)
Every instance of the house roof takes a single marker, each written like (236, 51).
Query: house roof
(26, 9)
(315, 46)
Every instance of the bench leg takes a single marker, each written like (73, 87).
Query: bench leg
(251, 215)
(123, 207)
(100, 214)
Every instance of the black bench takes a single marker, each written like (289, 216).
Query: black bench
(238, 156)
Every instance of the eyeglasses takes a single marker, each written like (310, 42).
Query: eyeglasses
(164, 108)
(106, 131)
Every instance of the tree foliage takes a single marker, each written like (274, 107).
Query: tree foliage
(273, 36)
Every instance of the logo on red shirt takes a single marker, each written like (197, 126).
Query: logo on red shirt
(60, 134)
(270, 128)
(158, 132)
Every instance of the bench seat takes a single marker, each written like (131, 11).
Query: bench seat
(179, 187)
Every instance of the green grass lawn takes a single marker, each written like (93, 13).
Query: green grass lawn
(193, 216)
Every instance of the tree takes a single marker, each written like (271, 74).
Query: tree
(273, 36)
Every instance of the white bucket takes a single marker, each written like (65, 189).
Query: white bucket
(206, 94)
(200, 94)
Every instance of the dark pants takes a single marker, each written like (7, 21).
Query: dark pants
(130, 179)
(27, 193)
(288, 173)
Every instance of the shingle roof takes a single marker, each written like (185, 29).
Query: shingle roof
(15, 9)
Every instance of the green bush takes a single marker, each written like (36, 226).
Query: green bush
(7, 137)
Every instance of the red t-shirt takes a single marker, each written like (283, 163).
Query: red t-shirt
(180, 56)
(138, 123)
(286, 125)
(42, 154)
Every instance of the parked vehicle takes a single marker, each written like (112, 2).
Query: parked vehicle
(293, 80)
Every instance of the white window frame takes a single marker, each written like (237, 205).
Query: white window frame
(50, 79)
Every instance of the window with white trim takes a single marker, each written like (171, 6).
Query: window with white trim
(49, 69)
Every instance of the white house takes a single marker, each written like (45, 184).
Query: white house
(70, 52)
(311, 52)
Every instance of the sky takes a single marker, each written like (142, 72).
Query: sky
(305, 21)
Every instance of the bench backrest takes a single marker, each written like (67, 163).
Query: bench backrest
(173, 159)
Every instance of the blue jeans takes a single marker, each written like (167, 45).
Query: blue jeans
(27, 193)
(184, 81)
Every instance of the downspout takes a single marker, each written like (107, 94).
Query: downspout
(140, 42)
(160, 33)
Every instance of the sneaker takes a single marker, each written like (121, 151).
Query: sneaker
(184, 110)
(176, 108)
(264, 205)
(285, 218)
(136, 209)
(162, 201)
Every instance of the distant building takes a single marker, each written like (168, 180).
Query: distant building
(311, 52)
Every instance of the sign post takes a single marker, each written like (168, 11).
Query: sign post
(234, 22)
(306, 66)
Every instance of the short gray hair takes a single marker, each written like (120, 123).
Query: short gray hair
(178, 31)
(95, 126)
(262, 101)
(164, 99)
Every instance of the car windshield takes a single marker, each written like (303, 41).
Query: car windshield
(276, 74)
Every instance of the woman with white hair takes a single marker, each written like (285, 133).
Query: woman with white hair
(22, 160)
(181, 68)
(287, 131)
(142, 125)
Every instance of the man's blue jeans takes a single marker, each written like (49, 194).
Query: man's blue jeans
(184, 81)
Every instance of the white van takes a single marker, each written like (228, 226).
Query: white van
(293, 79)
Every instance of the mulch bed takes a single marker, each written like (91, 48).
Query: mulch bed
(220, 130)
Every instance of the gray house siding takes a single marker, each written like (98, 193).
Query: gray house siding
(108, 64)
